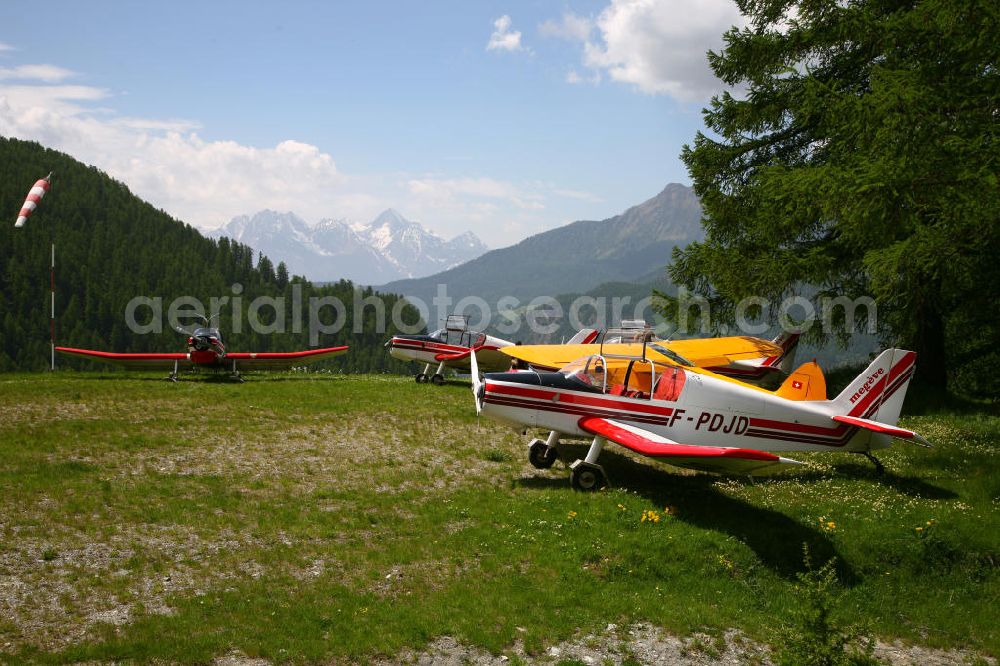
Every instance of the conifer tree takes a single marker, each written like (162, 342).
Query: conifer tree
(859, 156)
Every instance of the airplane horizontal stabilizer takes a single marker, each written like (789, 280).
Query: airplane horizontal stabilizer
(892, 431)
(719, 459)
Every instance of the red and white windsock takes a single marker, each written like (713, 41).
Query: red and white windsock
(35, 195)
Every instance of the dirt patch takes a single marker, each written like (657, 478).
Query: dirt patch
(646, 644)
(55, 591)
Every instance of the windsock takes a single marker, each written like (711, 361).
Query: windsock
(35, 195)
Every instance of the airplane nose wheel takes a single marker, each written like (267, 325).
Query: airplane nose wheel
(541, 455)
(437, 379)
(587, 476)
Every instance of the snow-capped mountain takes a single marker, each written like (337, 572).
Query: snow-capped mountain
(390, 247)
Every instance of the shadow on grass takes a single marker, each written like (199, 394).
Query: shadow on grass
(776, 538)
(905, 485)
(205, 376)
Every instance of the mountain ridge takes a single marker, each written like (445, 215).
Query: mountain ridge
(575, 257)
(390, 247)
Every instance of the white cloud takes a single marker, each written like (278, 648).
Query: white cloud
(571, 26)
(503, 38)
(206, 183)
(659, 46)
(5, 47)
(578, 194)
(166, 162)
(574, 77)
(45, 73)
(448, 192)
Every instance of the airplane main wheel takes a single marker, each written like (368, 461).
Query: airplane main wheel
(421, 378)
(540, 455)
(588, 477)
(437, 379)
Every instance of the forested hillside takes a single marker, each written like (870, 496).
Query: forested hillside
(111, 247)
(576, 257)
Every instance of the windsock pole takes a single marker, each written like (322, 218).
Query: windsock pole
(52, 317)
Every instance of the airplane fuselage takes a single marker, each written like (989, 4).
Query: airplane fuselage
(704, 410)
(206, 349)
(433, 350)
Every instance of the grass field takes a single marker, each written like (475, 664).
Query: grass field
(313, 517)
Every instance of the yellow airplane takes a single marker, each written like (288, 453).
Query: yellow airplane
(741, 357)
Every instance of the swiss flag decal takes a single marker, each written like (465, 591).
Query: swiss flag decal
(796, 384)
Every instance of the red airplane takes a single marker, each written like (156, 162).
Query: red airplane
(206, 350)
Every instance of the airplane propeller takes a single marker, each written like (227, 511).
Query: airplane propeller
(477, 384)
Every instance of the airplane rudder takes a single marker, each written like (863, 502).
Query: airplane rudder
(863, 387)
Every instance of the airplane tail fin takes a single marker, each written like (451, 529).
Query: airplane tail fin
(878, 392)
(584, 336)
(873, 401)
(806, 383)
(789, 342)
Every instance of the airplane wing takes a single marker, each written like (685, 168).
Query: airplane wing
(280, 360)
(733, 348)
(718, 459)
(553, 357)
(136, 361)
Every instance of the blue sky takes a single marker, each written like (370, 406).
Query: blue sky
(503, 118)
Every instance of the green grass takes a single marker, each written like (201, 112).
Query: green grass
(314, 518)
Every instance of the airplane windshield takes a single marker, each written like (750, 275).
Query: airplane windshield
(207, 333)
(672, 355)
(627, 335)
(588, 370)
(458, 338)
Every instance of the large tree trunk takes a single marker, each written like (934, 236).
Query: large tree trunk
(932, 365)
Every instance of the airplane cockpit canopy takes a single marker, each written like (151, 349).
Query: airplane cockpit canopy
(590, 371)
(459, 338)
(630, 377)
(204, 332)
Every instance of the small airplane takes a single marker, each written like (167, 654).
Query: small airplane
(693, 418)
(741, 357)
(206, 351)
(449, 347)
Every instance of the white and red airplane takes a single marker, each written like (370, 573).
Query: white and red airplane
(206, 351)
(449, 347)
(690, 417)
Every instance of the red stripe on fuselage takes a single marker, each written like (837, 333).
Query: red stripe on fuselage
(578, 411)
(573, 398)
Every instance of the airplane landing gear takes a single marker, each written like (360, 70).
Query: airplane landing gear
(879, 467)
(540, 455)
(421, 378)
(173, 375)
(437, 379)
(588, 476)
